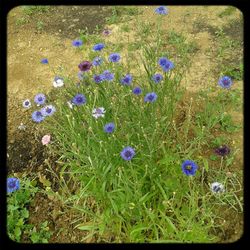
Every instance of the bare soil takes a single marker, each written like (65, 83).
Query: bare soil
(27, 45)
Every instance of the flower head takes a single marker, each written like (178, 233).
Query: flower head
(37, 116)
(26, 104)
(106, 32)
(98, 112)
(98, 47)
(222, 150)
(22, 126)
(46, 139)
(127, 153)
(115, 57)
(77, 43)
(79, 99)
(109, 127)
(150, 97)
(189, 167)
(126, 80)
(58, 82)
(137, 90)
(225, 82)
(157, 78)
(85, 66)
(98, 78)
(162, 10)
(107, 75)
(167, 66)
(97, 61)
(13, 184)
(217, 187)
(48, 110)
(44, 61)
(40, 99)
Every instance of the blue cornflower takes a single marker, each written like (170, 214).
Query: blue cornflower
(127, 153)
(225, 82)
(115, 57)
(79, 99)
(48, 110)
(137, 90)
(44, 61)
(109, 127)
(107, 75)
(98, 47)
(126, 80)
(189, 167)
(40, 99)
(13, 184)
(97, 61)
(37, 116)
(163, 61)
(162, 10)
(157, 78)
(98, 78)
(150, 97)
(77, 43)
(169, 65)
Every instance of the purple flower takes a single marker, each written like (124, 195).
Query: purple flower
(163, 61)
(167, 66)
(98, 78)
(85, 66)
(79, 99)
(162, 10)
(98, 47)
(150, 97)
(109, 127)
(115, 57)
(126, 80)
(13, 184)
(107, 75)
(189, 167)
(225, 82)
(127, 153)
(157, 78)
(48, 110)
(44, 61)
(106, 32)
(37, 116)
(26, 104)
(222, 150)
(97, 61)
(40, 99)
(77, 43)
(137, 90)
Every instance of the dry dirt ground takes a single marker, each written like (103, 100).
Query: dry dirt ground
(27, 45)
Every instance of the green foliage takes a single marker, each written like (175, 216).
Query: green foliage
(18, 214)
(228, 11)
(31, 10)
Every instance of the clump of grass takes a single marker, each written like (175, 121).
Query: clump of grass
(140, 194)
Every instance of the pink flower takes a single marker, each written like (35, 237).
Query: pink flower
(45, 139)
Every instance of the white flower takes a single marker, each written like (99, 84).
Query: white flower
(58, 82)
(26, 104)
(217, 187)
(22, 126)
(98, 112)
